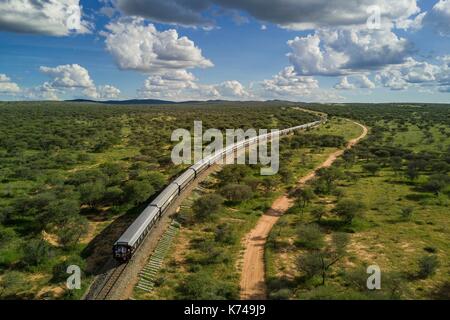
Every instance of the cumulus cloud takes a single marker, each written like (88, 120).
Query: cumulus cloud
(288, 83)
(42, 92)
(232, 89)
(138, 46)
(72, 77)
(298, 14)
(439, 17)
(168, 85)
(108, 92)
(68, 76)
(181, 85)
(7, 86)
(48, 17)
(355, 81)
(414, 73)
(340, 52)
(344, 84)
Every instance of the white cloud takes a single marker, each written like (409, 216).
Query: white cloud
(414, 73)
(362, 81)
(232, 89)
(42, 92)
(72, 77)
(355, 81)
(288, 83)
(137, 46)
(413, 23)
(179, 85)
(168, 85)
(7, 86)
(344, 84)
(108, 92)
(341, 52)
(49, 17)
(309, 58)
(68, 76)
(439, 17)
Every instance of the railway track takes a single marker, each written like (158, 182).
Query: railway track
(111, 278)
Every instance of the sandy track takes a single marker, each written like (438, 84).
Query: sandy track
(252, 275)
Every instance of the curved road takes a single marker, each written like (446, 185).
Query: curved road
(252, 277)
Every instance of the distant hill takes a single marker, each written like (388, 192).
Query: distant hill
(132, 101)
(157, 101)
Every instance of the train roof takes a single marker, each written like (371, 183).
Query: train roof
(167, 192)
(185, 175)
(133, 232)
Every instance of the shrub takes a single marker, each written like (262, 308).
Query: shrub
(35, 252)
(407, 213)
(310, 236)
(237, 192)
(207, 205)
(202, 286)
(427, 266)
(318, 212)
(12, 284)
(436, 183)
(138, 191)
(283, 294)
(224, 234)
(371, 168)
(349, 209)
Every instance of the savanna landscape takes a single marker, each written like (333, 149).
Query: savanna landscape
(73, 176)
(225, 159)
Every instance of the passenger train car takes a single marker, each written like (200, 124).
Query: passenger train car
(127, 244)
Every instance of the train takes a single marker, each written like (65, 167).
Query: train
(134, 235)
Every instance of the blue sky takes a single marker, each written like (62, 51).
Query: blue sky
(228, 54)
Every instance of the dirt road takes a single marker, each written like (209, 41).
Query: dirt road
(252, 277)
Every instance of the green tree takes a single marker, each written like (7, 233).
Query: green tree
(310, 236)
(35, 252)
(137, 192)
(412, 171)
(207, 205)
(372, 168)
(237, 192)
(349, 209)
(318, 212)
(304, 197)
(202, 286)
(74, 228)
(396, 164)
(427, 266)
(92, 193)
(224, 234)
(436, 183)
(328, 176)
(319, 262)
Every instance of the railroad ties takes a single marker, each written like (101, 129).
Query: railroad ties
(150, 271)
